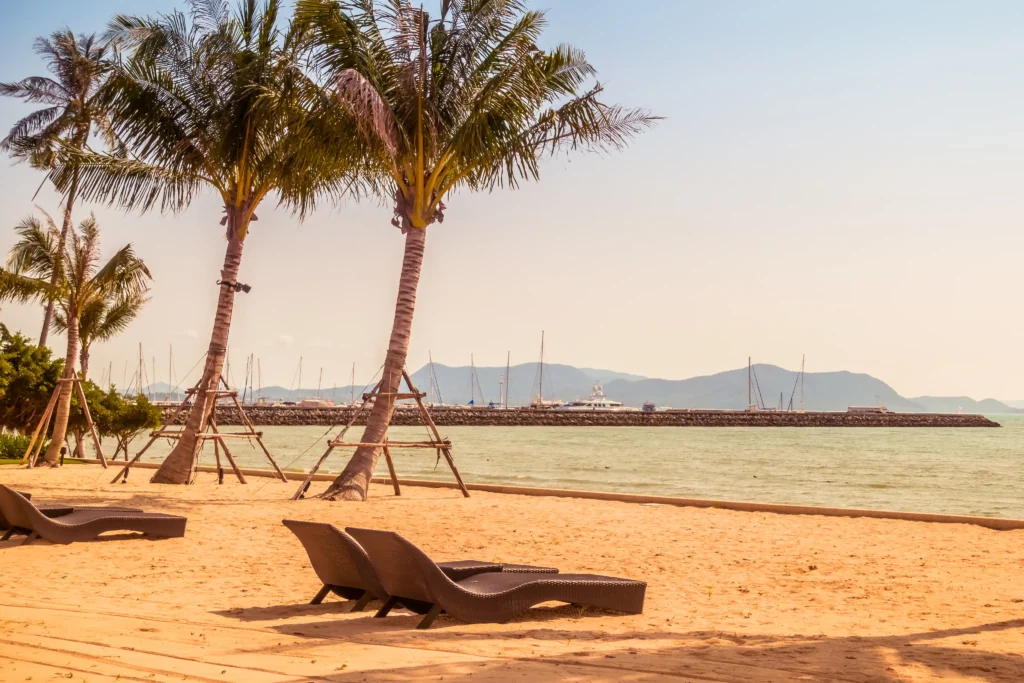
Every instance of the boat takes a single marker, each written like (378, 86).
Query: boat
(597, 401)
(539, 403)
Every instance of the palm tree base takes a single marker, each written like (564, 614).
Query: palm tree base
(346, 491)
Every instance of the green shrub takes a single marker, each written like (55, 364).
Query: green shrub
(12, 446)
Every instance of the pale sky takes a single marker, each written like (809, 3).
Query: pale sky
(839, 179)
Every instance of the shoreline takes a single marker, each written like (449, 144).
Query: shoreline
(994, 523)
(293, 416)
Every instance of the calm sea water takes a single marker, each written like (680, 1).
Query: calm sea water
(957, 471)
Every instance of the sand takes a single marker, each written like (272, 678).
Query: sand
(732, 596)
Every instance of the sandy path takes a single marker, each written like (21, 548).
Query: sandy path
(732, 596)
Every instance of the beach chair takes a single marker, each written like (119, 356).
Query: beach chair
(344, 568)
(82, 525)
(53, 510)
(407, 574)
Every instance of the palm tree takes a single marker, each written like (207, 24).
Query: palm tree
(214, 99)
(81, 282)
(73, 110)
(467, 101)
(102, 320)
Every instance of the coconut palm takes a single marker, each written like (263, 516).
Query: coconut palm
(214, 99)
(466, 101)
(73, 110)
(81, 282)
(102, 320)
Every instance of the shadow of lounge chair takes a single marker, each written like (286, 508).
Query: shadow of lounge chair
(407, 574)
(345, 569)
(82, 525)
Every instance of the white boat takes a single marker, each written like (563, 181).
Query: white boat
(597, 401)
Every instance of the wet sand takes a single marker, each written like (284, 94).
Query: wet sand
(732, 596)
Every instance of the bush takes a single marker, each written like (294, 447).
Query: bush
(12, 446)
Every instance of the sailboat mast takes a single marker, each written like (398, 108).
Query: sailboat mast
(540, 387)
(508, 363)
(259, 372)
(750, 397)
(353, 383)
(320, 382)
(803, 359)
(299, 387)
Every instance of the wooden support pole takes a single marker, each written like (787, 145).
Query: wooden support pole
(134, 460)
(391, 470)
(436, 445)
(45, 419)
(227, 453)
(437, 436)
(220, 468)
(88, 421)
(258, 435)
(330, 445)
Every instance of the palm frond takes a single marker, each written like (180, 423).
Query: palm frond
(128, 182)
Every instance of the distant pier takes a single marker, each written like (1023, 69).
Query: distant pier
(282, 416)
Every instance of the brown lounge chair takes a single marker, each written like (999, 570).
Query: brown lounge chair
(345, 569)
(407, 574)
(53, 510)
(82, 525)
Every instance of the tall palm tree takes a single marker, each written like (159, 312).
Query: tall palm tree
(214, 99)
(467, 101)
(81, 282)
(102, 320)
(73, 110)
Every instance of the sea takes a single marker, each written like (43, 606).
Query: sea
(972, 471)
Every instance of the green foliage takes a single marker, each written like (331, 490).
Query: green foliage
(43, 267)
(28, 376)
(72, 100)
(210, 98)
(466, 99)
(12, 446)
(114, 415)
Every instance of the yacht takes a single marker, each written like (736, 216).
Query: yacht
(597, 401)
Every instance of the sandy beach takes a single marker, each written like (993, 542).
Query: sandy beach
(732, 596)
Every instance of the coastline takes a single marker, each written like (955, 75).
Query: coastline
(292, 416)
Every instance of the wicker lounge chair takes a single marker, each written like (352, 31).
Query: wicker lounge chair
(53, 510)
(407, 574)
(82, 525)
(345, 569)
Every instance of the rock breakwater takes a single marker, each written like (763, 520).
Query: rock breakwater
(281, 416)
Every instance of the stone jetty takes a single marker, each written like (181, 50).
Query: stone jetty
(484, 417)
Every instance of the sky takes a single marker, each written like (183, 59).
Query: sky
(841, 180)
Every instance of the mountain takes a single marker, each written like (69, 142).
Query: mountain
(608, 375)
(951, 404)
(724, 390)
(1014, 404)
(832, 391)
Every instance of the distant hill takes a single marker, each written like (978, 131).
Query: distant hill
(724, 390)
(951, 404)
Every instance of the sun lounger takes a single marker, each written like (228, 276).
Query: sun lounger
(53, 510)
(407, 574)
(82, 525)
(345, 569)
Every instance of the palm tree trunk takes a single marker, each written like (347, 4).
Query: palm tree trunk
(354, 481)
(48, 316)
(63, 409)
(177, 467)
